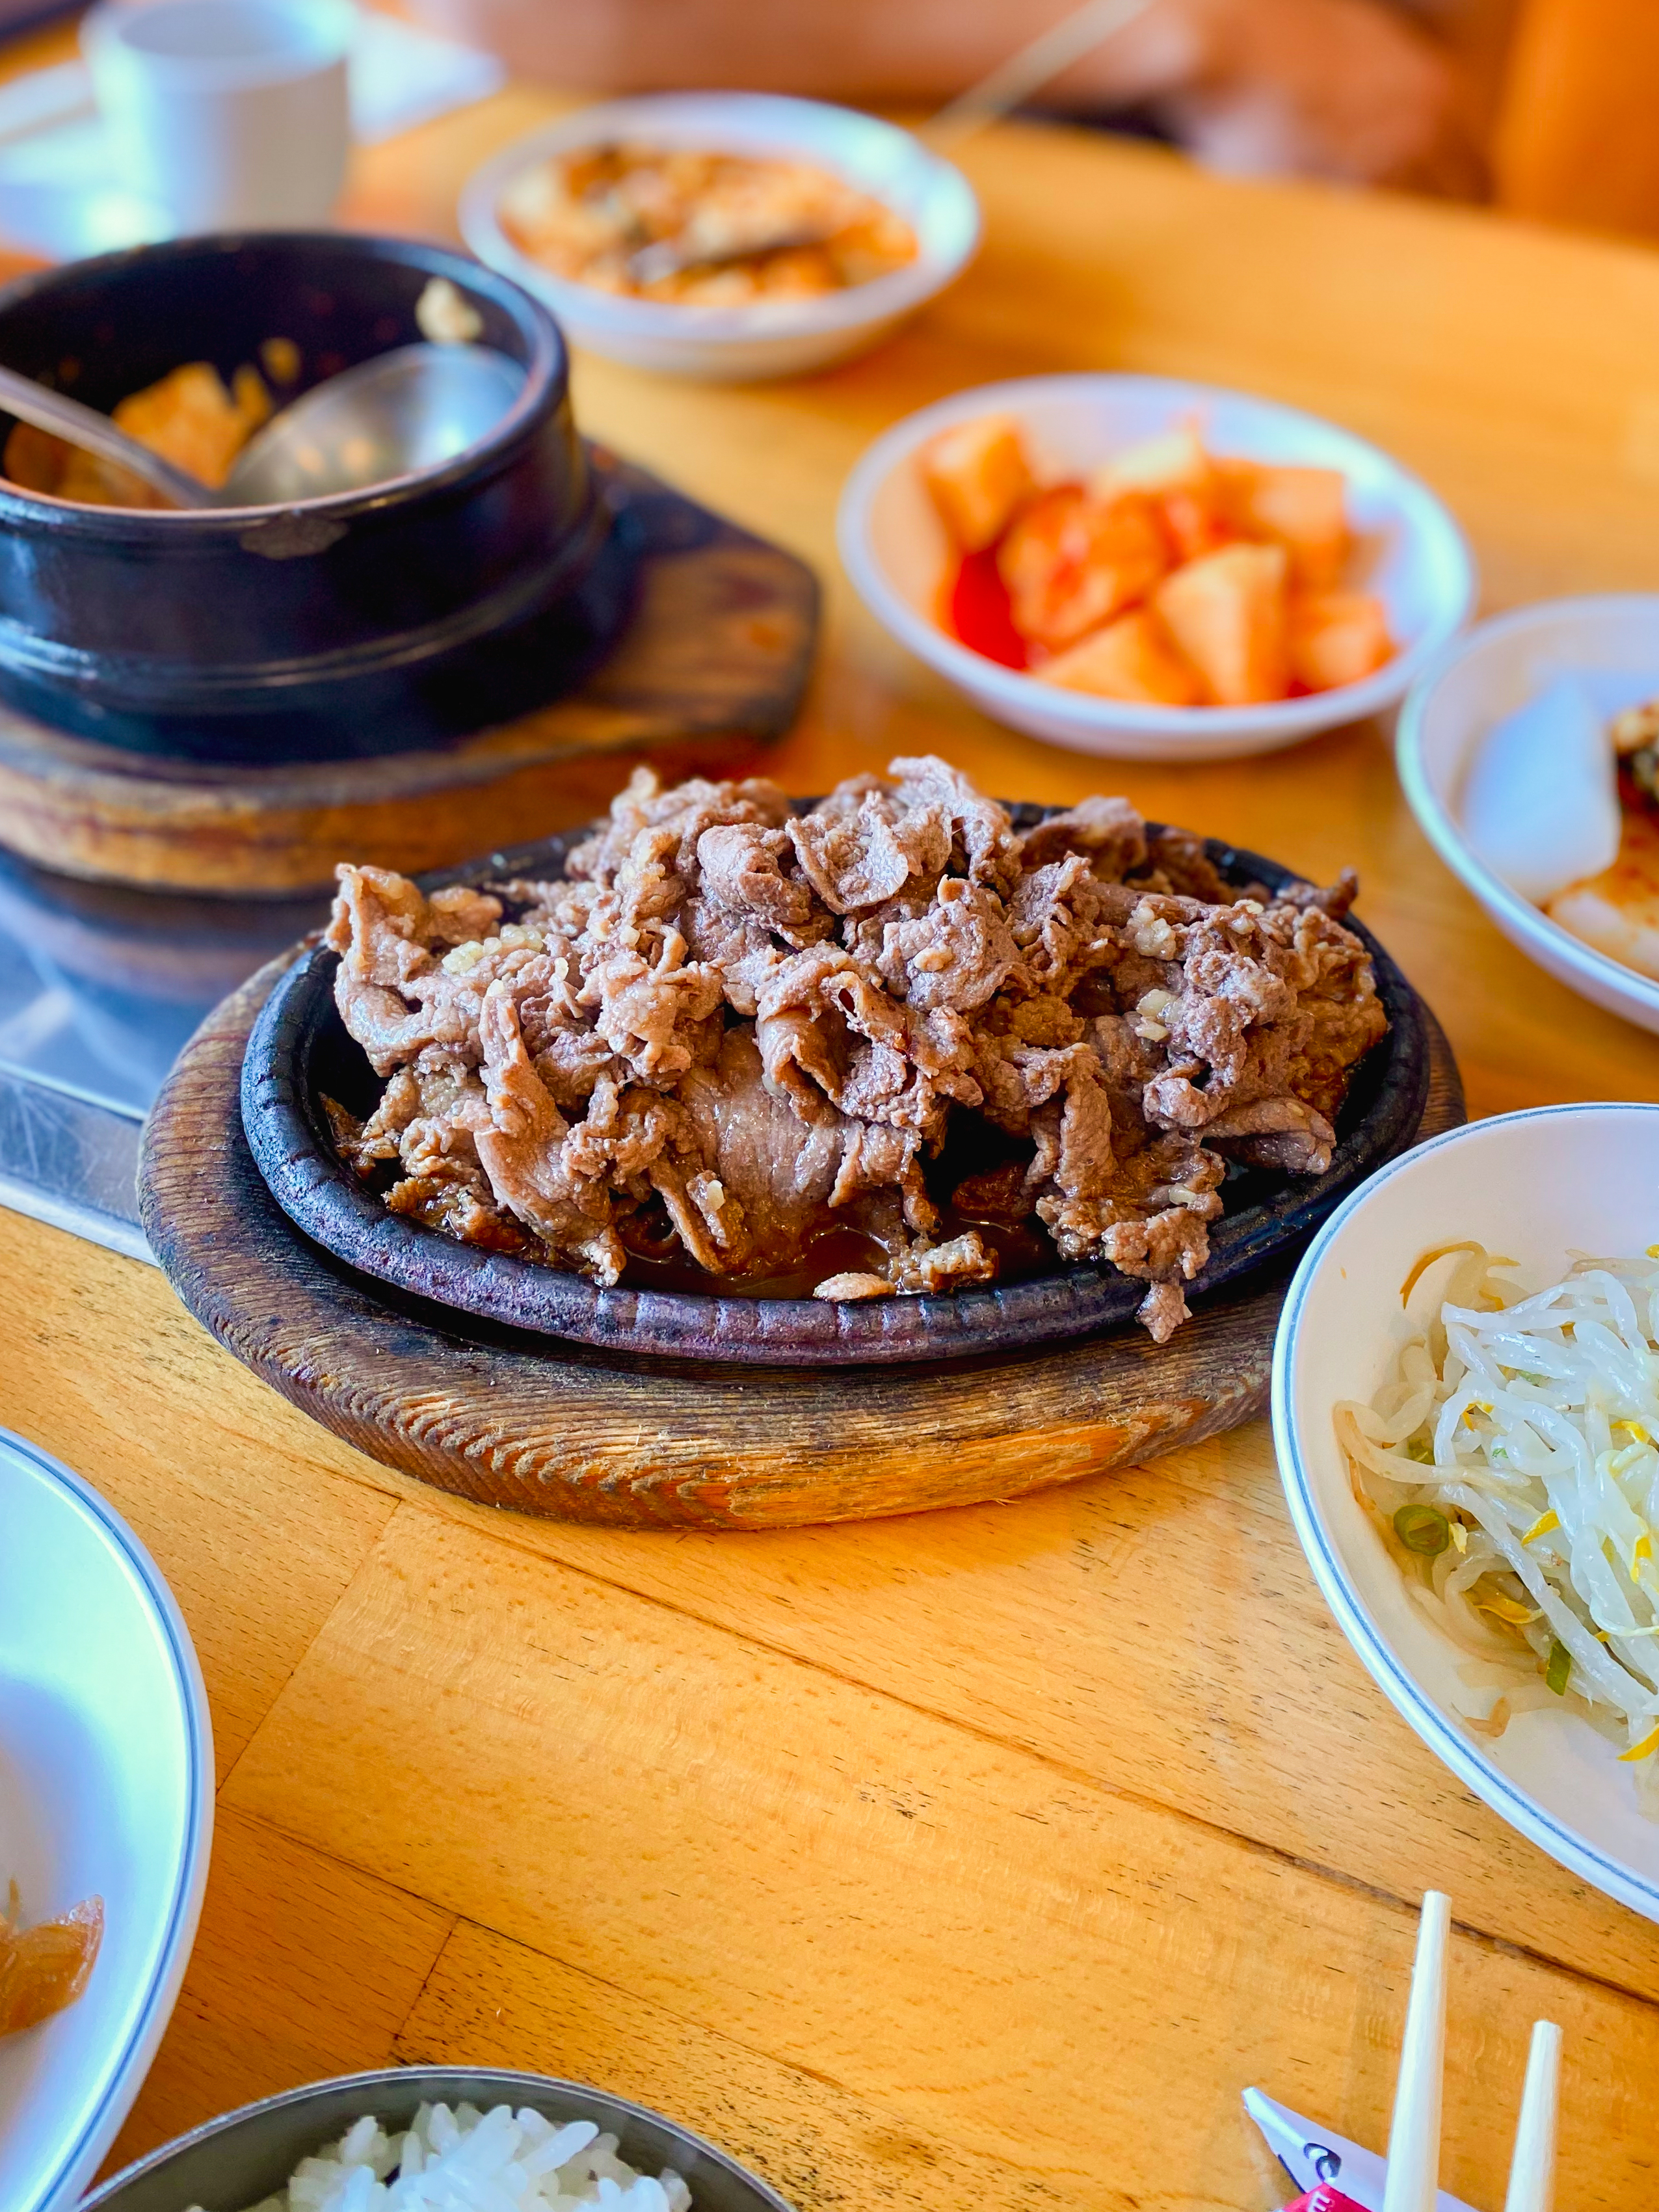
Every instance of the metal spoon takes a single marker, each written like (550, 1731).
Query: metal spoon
(96, 434)
(669, 258)
(413, 408)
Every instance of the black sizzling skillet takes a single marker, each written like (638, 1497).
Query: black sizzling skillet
(300, 1051)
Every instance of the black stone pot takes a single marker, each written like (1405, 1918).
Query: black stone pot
(368, 621)
(300, 1053)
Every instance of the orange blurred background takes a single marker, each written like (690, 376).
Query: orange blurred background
(1576, 134)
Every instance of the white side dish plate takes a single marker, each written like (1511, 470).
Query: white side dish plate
(1611, 645)
(1535, 1187)
(1411, 553)
(106, 1790)
(770, 337)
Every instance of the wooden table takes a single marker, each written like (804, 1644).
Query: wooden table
(981, 1858)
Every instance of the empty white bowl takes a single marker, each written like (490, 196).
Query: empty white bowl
(106, 1790)
(1614, 643)
(772, 337)
(1411, 554)
(1535, 1187)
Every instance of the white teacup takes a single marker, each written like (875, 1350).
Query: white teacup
(228, 114)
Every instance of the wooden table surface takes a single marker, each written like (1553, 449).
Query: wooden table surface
(983, 1858)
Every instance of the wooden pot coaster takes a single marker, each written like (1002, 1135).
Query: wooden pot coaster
(577, 1434)
(711, 668)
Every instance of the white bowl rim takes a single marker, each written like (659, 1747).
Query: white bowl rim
(882, 299)
(1445, 833)
(1013, 688)
(381, 2077)
(1488, 1781)
(122, 2074)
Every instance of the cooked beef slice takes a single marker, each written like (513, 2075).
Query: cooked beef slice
(740, 1025)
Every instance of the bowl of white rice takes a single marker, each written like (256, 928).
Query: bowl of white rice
(438, 2139)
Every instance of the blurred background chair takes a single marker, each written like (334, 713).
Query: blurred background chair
(1552, 106)
(1576, 134)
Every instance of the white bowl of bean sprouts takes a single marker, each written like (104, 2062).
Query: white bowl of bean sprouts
(1466, 1411)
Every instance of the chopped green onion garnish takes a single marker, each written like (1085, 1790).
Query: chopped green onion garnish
(1423, 1528)
(1559, 1668)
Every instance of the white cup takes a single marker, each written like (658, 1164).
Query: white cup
(228, 114)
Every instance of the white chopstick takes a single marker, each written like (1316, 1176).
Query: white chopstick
(1029, 69)
(1412, 2183)
(1532, 2173)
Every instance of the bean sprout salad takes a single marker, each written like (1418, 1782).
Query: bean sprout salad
(1511, 1462)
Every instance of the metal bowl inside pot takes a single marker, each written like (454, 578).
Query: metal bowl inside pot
(456, 596)
(248, 2155)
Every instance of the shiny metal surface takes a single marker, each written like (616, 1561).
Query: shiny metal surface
(70, 1164)
(413, 408)
(100, 989)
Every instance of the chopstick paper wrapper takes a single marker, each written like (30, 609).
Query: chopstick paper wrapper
(1311, 2154)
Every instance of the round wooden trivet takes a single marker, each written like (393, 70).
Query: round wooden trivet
(578, 1434)
(712, 667)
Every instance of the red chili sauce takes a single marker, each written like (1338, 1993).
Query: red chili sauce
(975, 610)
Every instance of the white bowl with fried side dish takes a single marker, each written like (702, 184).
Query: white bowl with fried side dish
(895, 1074)
(1610, 644)
(1402, 550)
(793, 328)
(106, 1809)
(1534, 1189)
